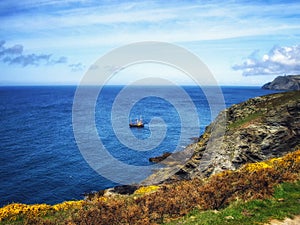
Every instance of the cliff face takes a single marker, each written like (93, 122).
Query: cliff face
(258, 129)
(291, 82)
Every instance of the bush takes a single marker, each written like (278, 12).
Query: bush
(253, 181)
(153, 204)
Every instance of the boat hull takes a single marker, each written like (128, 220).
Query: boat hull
(136, 125)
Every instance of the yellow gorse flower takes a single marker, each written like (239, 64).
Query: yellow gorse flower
(146, 189)
(290, 160)
(16, 210)
(68, 205)
(256, 166)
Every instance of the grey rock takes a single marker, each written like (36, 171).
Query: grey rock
(258, 129)
(290, 82)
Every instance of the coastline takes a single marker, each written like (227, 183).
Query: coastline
(47, 136)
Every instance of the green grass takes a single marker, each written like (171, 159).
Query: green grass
(266, 105)
(285, 203)
(245, 120)
(281, 98)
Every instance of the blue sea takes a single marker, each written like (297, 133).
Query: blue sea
(40, 158)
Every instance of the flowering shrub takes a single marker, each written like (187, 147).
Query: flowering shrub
(253, 181)
(290, 162)
(155, 204)
(256, 166)
(16, 210)
(146, 190)
(68, 205)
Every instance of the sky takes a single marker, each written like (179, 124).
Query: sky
(46, 42)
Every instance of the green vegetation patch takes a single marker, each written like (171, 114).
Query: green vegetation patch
(269, 102)
(284, 203)
(274, 100)
(248, 119)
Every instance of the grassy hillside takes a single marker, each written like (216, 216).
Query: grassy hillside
(284, 203)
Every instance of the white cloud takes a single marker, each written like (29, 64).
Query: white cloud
(279, 60)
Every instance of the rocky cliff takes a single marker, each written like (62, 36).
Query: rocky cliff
(291, 82)
(258, 129)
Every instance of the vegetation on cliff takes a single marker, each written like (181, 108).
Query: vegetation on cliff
(257, 129)
(154, 205)
(284, 204)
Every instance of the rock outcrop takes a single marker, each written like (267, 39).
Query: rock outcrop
(290, 82)
(160, 158)
(258, 129)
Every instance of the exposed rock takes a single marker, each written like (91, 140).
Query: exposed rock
(160, 158)
(290, 82)
(123, 189)
(258, 129)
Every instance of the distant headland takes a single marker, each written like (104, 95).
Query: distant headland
(287, 82)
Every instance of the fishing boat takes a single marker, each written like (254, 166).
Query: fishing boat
(138, 123)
